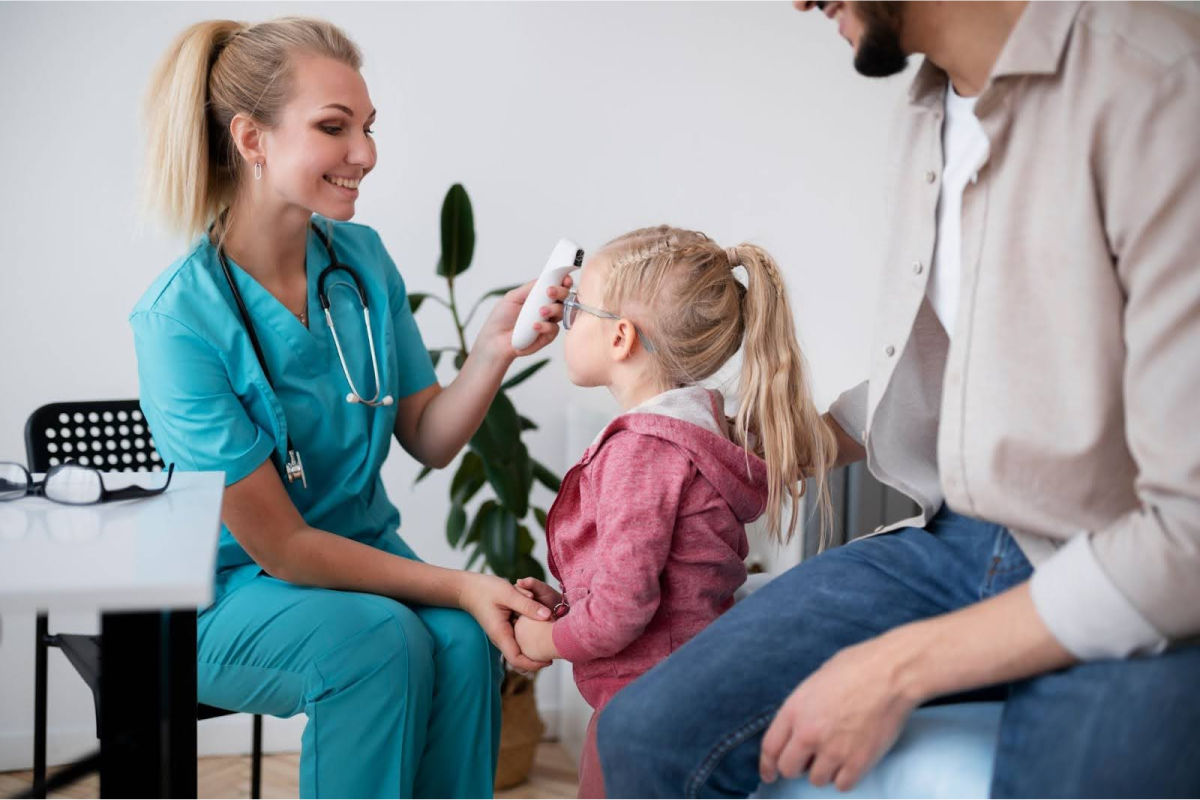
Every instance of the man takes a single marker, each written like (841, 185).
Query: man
(1035, 387)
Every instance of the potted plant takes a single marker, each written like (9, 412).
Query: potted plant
(497, 535)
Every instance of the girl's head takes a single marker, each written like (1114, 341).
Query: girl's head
(681, 314)
(275, 115)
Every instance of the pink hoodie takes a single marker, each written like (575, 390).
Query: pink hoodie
(647, 537)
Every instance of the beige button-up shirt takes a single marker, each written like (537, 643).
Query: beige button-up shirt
(1066, 403)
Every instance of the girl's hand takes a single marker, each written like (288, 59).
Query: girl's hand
(492, 602)
(539, 591)
(496, 335)
(536, 639)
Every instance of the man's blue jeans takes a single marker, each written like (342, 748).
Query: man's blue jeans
(693, 725)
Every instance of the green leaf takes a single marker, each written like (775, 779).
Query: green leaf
(528, 567)
(423, 475)
(458, 233)
(523, 374)
(415, 299)
(500, 543)
(456, 522)
(459, 359)
(545, 476)
(499, 437)
(540, 516)
(435, 356)
(511, 479)
(467, 479)
(475, 556)
(527, 424)
(475, 532)
(524, 541)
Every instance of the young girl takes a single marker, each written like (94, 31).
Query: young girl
(647, 536)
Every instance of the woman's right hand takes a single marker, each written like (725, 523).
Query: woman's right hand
(492, 602)
(539, 591)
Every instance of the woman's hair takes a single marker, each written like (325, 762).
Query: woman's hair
(688, 301)
(212, 72)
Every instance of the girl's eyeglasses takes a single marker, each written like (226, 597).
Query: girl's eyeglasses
(70, 484)
(572, 307)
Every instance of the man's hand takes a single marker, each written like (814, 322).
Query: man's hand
(846, 715)
(840, 720)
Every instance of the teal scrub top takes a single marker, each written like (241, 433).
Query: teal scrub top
(210, 407)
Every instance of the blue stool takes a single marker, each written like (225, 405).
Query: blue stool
(944, 752)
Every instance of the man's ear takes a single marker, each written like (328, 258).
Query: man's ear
(621, 341)
(248, 138)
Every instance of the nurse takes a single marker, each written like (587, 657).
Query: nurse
(259, 138)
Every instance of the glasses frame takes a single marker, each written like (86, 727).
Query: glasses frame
(572, 303)
(38, 488)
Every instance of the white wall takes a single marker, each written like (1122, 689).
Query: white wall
(744, 120)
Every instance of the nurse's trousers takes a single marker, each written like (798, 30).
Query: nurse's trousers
(402, 701)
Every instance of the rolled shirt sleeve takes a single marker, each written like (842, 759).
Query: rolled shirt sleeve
(1135, 585)
(850, 411)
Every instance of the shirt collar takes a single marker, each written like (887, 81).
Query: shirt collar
(1034, 47)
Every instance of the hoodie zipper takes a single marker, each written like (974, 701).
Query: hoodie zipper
(563, 607)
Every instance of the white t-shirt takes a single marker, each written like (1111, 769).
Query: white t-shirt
(965, 147)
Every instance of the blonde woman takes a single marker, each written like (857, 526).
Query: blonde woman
(647, 537)
(259, 139)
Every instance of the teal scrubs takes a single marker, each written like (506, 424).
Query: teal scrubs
(402, 700)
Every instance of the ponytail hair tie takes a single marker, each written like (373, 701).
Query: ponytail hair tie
(731, 254)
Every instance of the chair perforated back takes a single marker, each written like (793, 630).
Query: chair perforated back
(110, 435)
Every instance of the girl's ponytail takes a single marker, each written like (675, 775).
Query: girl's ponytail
(776, 409)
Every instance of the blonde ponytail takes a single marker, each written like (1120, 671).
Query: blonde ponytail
(699, 316)
(776, 403)
(212, 72)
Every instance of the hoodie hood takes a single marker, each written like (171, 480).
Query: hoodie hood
(693, 419)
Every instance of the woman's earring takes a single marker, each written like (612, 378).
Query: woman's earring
(257, 171)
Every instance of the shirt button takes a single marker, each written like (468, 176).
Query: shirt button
(930, 176)
(891, 351)
(918, 268)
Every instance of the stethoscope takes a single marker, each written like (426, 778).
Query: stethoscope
(294, 468)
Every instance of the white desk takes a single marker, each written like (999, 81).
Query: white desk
(145, 566)
(135, 555)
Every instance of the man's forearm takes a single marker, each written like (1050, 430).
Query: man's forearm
(997, 640)
(849, 450)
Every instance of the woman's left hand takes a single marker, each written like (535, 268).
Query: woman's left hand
(496, 334)
(492, 602)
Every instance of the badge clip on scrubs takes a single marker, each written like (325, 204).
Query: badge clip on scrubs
(293, 470)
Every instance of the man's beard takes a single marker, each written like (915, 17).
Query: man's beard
(879, 51)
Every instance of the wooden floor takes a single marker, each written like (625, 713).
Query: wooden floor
(229, 776)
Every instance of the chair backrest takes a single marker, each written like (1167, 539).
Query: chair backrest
(111, 435)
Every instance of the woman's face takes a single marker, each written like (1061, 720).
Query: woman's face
(322, 147)
(586, 347)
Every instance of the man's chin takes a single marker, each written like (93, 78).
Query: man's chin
(879, 63)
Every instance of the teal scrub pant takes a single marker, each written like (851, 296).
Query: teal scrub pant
(402, 701)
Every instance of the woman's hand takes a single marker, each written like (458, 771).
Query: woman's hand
(492, 602)
(496, 335)
(539, 591)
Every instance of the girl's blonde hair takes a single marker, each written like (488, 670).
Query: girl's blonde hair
(212, 72)
(697, 314)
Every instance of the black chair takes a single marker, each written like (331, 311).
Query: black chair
(110, 435)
